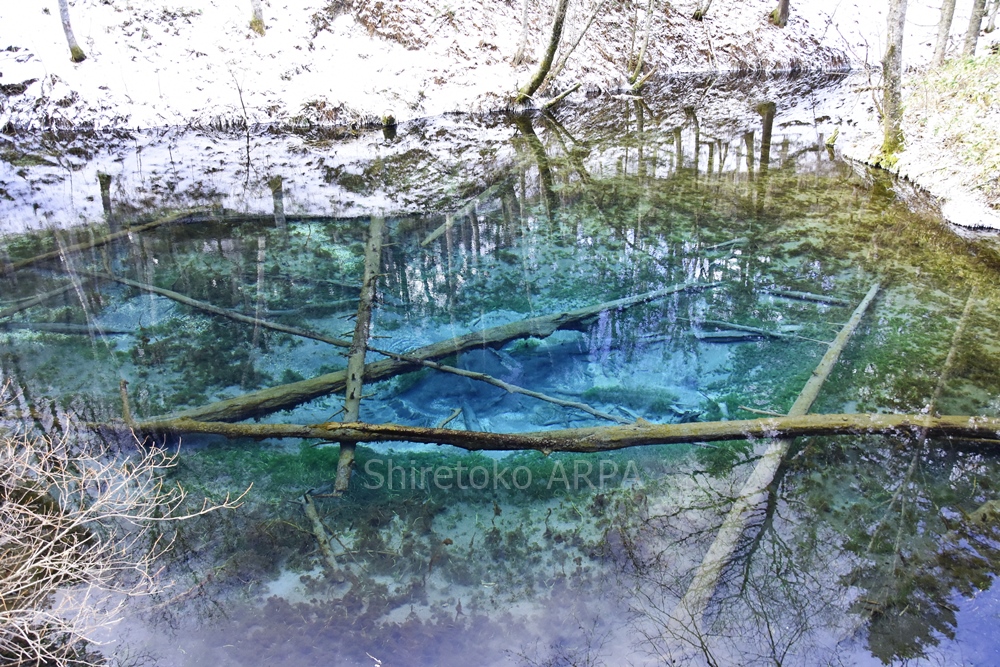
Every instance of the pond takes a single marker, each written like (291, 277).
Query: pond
(189, 264)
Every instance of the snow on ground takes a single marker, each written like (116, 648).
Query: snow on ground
(157, 63)
(160, 63)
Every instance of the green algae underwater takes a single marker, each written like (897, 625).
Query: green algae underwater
(868, 549)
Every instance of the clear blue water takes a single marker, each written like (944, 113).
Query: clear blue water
(492, 221)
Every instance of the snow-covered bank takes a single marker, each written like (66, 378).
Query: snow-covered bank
(428, 166)
(950, 126)
(154, 63)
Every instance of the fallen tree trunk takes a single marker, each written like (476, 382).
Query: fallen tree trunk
(690, 610)
(596, 438)
(304, 333)
(288, 396)
(96, 243)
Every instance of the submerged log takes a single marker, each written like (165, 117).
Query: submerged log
(596, 438)
(65, 328)
(808, 296)
(288, 396)
(36, 300)
(728, 336)
(690, 610)
(216, 310)
(96, 243)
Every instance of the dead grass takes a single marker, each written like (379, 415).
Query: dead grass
(954, 113)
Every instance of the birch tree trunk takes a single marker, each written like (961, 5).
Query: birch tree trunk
(76, 53)
(944, 32)
(975, 23)
(520, 55)
(892, 75)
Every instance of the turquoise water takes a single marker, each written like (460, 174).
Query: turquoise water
(862, 553)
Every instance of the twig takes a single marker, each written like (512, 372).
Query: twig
(761, 412)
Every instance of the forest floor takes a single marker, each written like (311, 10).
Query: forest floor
(155, 63)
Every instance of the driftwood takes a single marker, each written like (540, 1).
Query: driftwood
(359, 348)
(596, 438)
(96, 243)
(691, 609)
(289, 395)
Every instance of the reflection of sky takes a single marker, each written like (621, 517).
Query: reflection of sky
(978, 619)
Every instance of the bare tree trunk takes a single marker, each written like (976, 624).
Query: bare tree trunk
(522, 43)
(359, 349)
(257, 22)
(892, 75)
(975, 23)
(991, 25)
(637, 70)
(702, 10)
(779, 16)
(76, 53)
(944, 32)
(529, 88)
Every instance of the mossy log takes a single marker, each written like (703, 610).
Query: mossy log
(287, 396)
(597, 438)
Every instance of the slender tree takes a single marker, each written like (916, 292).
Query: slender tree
(521, 56)
(975, 23)
(779, 16)
(991, 25)
(892, 83)
(944, 32)
(257, 22)
(525, 93)
(76, 53)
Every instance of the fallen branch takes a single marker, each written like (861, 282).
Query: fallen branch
(288, 396)
(321, 534)
(552, 103)
(96, 243)
(515, 389)
(595, 438)
(690, 610)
